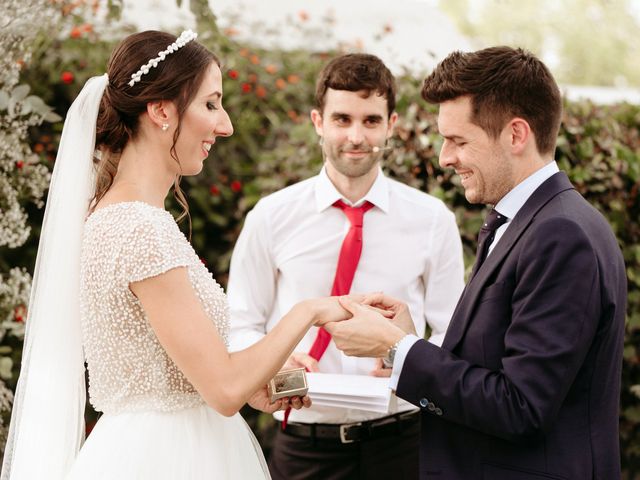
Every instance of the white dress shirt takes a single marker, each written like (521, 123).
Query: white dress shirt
(288, 251)
(508, 206)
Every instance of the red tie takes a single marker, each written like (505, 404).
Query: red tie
(346, 270)
(347, 264)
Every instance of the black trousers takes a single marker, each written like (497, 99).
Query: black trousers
(394, 457)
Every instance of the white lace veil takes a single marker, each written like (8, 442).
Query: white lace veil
(47, 422)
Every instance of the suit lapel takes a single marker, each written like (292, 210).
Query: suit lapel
(464, 310)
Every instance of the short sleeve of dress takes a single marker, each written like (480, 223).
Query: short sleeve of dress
(152, 245)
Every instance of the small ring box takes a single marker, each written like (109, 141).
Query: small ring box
(288, 383)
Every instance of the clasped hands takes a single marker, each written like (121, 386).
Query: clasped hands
(370, 324)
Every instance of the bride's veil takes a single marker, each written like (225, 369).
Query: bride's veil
(47, 421)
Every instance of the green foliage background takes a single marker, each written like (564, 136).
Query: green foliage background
(269, 93)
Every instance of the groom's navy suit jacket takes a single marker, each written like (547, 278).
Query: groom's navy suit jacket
(527, 382)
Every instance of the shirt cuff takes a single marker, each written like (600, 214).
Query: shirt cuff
(398, 361)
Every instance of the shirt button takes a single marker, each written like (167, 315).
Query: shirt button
(423, 402)
(431, 407)
(438, 411)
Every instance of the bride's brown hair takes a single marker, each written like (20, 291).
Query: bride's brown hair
(176, 78)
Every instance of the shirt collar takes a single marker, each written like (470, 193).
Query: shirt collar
(513, 201)
(327, 194)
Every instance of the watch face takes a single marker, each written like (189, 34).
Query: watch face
(392, 353)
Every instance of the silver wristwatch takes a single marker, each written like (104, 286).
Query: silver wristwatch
(391, 355)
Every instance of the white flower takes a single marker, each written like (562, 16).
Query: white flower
(22, 179)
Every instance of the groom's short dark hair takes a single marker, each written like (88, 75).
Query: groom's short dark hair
(503, 83)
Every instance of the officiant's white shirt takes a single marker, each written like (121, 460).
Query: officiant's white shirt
(288, 251)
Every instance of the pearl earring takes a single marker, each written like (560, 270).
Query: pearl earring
(321, 141)
(165, 127)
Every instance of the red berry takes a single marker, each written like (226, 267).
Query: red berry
(67, 77)
(236, 186)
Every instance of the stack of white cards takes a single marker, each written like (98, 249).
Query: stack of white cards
(362, 392)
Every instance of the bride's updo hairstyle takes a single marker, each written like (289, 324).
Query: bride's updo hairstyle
(176, 78)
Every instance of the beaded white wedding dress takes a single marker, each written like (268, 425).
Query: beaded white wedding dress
(154, 425)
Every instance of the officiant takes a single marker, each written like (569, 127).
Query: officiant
(348, 229)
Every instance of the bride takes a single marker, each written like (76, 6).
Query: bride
(118, 285)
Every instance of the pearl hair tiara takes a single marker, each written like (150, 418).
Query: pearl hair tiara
(184, 38)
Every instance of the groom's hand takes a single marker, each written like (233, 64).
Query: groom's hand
(400, 311)
(367, 334)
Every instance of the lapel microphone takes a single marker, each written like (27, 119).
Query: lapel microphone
(377, 149)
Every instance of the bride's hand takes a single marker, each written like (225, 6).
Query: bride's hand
(260, 401)
(327, 309)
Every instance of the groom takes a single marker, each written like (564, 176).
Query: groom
(526, 384)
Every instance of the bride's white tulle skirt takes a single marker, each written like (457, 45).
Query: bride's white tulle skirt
(192, 444)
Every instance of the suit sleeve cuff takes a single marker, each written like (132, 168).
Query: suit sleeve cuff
(398, 362)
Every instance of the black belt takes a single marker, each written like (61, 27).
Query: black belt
(355, 432)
